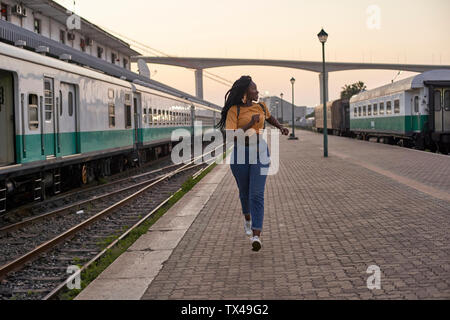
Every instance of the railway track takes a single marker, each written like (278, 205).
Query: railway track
(51, 242)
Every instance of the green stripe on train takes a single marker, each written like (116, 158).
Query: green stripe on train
(399, 124)
(89, 141)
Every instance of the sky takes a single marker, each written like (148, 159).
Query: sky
(382, 31)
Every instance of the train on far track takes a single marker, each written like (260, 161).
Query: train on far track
(63, 124)
(413, 112)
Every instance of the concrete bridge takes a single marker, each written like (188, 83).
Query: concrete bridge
(205, 63)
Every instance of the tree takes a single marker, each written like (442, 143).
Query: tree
(349, 90)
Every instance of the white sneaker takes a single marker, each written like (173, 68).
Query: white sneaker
(256, 243)
(248, 227)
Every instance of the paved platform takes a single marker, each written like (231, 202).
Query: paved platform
(326, 221)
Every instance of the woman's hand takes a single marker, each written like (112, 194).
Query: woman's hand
(284, 131)
(255, 119)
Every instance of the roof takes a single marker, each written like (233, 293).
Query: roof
(410, 83)
(59, 13)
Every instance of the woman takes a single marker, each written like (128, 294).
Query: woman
(240, 112)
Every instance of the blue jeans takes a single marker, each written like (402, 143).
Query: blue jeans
(251, 182)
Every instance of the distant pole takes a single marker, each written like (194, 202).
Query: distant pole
(293, 137)
(323, 36)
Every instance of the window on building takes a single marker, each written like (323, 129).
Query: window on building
(4, 12)
(37, 26)
(33, 113)
(125, 63)
(83, 44)
(71, 103)
(369, 110)
(100, 52)
(113, 58)
(375, 109)
(416, 104)
(62, 36)
(389, 107)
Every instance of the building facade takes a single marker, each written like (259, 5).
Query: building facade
(282, 110)
(49, 19)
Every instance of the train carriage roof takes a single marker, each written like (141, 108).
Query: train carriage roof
(413, 82)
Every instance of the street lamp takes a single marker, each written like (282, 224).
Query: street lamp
(293, 137)
(282, 117)
(323, 36)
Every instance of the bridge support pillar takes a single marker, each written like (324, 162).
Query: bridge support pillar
(321, 86)
(199, 83)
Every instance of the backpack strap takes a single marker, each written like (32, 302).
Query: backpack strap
(264, 109)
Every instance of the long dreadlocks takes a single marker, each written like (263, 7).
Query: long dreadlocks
(234, 97)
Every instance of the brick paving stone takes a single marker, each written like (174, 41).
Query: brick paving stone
(326, 221)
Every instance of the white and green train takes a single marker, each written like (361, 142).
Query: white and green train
(61, 122)
(414, 111)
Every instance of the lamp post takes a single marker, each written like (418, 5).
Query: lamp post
(293, 137)
(282, 117)
(323, 36)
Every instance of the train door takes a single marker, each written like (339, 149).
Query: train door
(68, 118)
(446, 107)
(48, 128)
(415, 114)
(6, 118)
(137, 108)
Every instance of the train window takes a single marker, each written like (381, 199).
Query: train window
(128, 110)
(447, 100)
(149, 116)
(144, 116)
(355, 112)
(60, 103)
(33, 114)
(397, 106)
(369, 110)
(437, 100)
(381, 108)
(359, 112)
(158, 119)
(71, 104)
(155, 115)
(389, 107)
(375, 109)
(416, 104)
(48, 93)
(127, 116)
(112, 115)
(364, 112)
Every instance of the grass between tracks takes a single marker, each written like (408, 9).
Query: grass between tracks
(94, 270)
